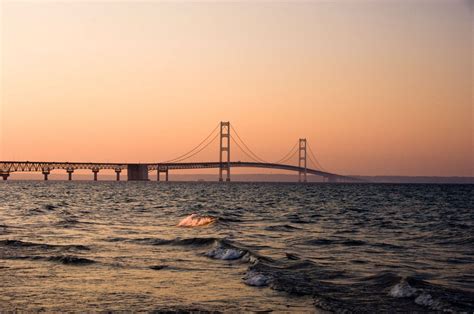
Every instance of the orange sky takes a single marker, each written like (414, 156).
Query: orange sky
(377, 87)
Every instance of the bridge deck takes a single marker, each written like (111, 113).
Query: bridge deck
(36, 166)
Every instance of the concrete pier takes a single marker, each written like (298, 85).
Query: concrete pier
(118, 171)
(137, 172)
(159, 171)
(5, 175)
(95, 171)
(46, 173)
(69, 173)
(332, 179)
(164, 170)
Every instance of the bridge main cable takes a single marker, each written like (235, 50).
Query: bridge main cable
(256, 157)
(288, 155)
(248, 155)
(315, 161)
(185, 156)
(200, 150)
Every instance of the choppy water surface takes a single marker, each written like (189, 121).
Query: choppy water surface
(85, 246)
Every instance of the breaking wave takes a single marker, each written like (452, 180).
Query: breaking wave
(196, 241)
(194, 220)
(385, 291)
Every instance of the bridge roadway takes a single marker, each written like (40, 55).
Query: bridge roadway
(137, 171)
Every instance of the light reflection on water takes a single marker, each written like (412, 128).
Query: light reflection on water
(117, 246)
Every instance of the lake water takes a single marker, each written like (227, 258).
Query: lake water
(88, 246)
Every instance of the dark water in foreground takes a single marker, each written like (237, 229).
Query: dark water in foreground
(86, 246)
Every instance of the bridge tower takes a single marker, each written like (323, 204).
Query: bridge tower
(302, 160)
(224, 149)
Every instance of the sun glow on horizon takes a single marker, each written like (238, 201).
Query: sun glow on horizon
(377, 88)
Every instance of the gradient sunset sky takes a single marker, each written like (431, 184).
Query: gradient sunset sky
(377, 87)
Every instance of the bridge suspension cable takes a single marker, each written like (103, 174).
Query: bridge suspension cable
(288, 155)
(247, 154)
(185, 156)
(314, 159)
(255, 156)
(200, 150)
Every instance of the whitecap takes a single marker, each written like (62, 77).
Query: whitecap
(249, 258)
(225, 253)
(195, 220)
(256, 279)
(425, 299)
(402, 290)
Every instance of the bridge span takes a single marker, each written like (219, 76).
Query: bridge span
(140, 171)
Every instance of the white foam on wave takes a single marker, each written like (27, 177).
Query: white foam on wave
(225, 253)
(402, 290)
(194, 220)
(425, 299)
(256, 279)
(249, 258)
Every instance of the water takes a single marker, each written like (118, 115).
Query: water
(86, 246)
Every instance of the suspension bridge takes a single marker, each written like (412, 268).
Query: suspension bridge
(304, 164)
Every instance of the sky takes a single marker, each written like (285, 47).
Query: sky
(376, 87)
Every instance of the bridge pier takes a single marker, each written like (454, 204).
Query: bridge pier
(159, 171)
(46, 173)
(5, 175)
(137, 172)
(69, 173)
(118, 171)
(332, 179)
(95, 171)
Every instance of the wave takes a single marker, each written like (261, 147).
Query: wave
(67, 223)
(351, 242)
(3, 230)
(24, 244)
(383, 292)
(282, 228)
(319, 242)
(227, 219)
(196, 241)
(50, 207)
(194, 220)
(292, 256)
(70, 260)
(158, 267)
(256, 279)
(331, 290)
(225, 253)
(63, 259)
(221, 249)
(402, 290)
